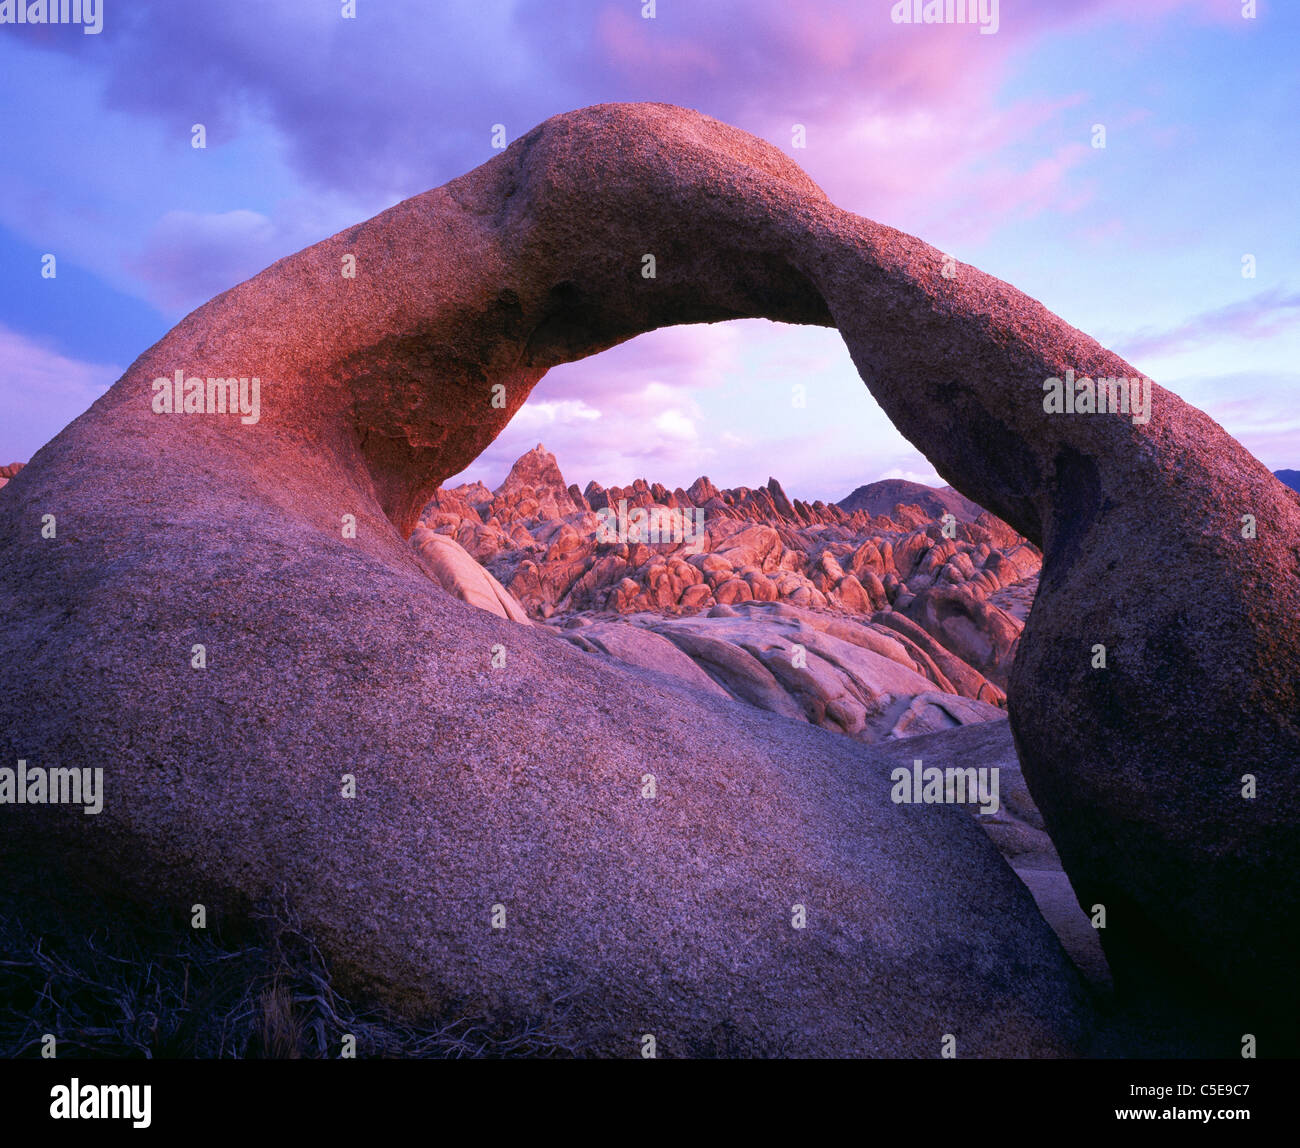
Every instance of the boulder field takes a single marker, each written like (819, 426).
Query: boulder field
(870, 625)
(501, 774)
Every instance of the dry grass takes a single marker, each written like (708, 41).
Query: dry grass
(185, 993)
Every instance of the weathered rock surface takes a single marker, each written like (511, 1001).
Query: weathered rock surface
(457, 573)
(650, 651)
(1017, 829)
(853, 677)
(522, 786)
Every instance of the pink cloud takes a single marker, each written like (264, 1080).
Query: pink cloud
(189, 256)
(41, 391)
(669, 58)
(695, 356)
(1258, 317)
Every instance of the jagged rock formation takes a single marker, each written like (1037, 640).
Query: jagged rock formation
(803, 639)
(520, 785)
(543, 541)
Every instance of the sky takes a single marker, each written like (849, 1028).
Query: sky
(1176, 243)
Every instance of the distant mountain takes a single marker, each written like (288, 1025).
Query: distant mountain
(1290, 477)
(881, 498)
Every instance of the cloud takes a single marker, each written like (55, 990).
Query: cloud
(675, 424)
(651, 430)
(1256, 407)
(405, 96)
(540, 417)
(41, 391)
(925, 477)
(189, 257)
(1263, 315)
(693, 356)
(314, 121)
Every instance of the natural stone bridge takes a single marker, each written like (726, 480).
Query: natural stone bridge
(520, 786)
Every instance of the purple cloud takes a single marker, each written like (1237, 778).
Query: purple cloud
(1258, 317)
(404, 97)
(43, 392)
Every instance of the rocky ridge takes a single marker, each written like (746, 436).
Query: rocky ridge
(869, 625)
